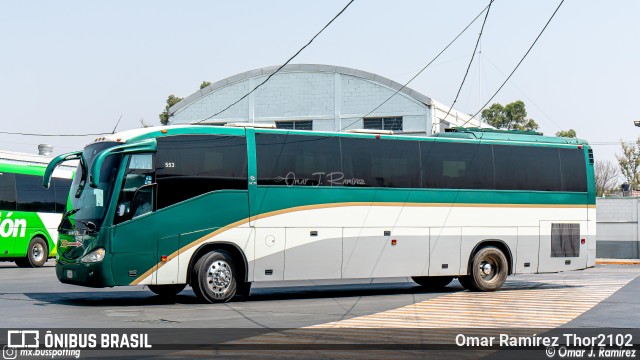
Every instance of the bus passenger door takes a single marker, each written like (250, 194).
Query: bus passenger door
(561, 246)
(313, 253)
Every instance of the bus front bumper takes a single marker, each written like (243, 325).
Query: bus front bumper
(96, 275)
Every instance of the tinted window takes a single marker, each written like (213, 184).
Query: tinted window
(574, 172)
(61, 187)
(456, 166)
(32, 196)
(381, 163)
(295, 125)
(527, 168)
(192, 165)
(298, 160)
(7, 191)
(389, 123)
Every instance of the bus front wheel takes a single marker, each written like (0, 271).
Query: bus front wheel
(489, 270)
(433, 282)
(213, 277)
(167, 290)
(37, 254)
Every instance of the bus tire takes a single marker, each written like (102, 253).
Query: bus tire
(169, 290)
(489, 270)
(213, 277)
(433, 282)
(37, 254)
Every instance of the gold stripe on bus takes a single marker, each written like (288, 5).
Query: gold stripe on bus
(343, 204)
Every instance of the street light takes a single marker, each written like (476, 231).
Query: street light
(637, 123)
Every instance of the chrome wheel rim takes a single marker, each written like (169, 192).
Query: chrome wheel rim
(37, 252)
(489, 268)
(219, 277)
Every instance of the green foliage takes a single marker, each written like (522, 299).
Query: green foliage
(512, 116)
(629, 163)
(567, 133)
(171, 100)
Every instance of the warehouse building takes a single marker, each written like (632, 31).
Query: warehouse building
(319, 98)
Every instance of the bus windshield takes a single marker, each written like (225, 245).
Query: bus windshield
(89, 204)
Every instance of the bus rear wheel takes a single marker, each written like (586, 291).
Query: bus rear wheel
(433, 282)
(213, 277)
(37, 254)
(489, 270)
(167, 290)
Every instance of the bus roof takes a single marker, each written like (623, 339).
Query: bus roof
(463, 134)
(508, 135)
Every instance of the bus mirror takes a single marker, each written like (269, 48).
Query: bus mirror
(46, 179)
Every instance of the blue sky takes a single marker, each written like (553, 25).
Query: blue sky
(76, 66)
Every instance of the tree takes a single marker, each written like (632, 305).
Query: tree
(171, 100)
(512, 116)
(144, 123)
(567, 133)
(607, 176)
(629, 163)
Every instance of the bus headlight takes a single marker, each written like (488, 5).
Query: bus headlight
(95, 256)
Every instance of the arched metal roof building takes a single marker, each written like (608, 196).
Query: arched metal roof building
(317, 97)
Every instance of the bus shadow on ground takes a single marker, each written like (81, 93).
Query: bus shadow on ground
(147, 298)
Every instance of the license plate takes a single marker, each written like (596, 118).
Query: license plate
(69, 274)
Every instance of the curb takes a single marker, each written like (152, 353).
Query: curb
(618, 261)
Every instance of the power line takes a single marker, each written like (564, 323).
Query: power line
(470, 61)
(513, 83)
(423, 69)
(518, 65)
(52, 135)
(281, 66)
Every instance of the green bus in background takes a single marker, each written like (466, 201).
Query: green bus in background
(30, 214)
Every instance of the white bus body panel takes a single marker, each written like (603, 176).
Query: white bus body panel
(313, 253)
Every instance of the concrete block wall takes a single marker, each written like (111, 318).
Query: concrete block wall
(295, 94)
(216, 101)
(617, 228)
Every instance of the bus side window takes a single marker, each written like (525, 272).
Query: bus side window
(31, 196)
(61, 187)
(192, 165)
(7, 191)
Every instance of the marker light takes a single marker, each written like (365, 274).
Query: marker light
(95, 256)
(163, 258)
(583, 241)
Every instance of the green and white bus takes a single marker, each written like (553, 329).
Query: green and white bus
(221, 207)
(29, 213)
